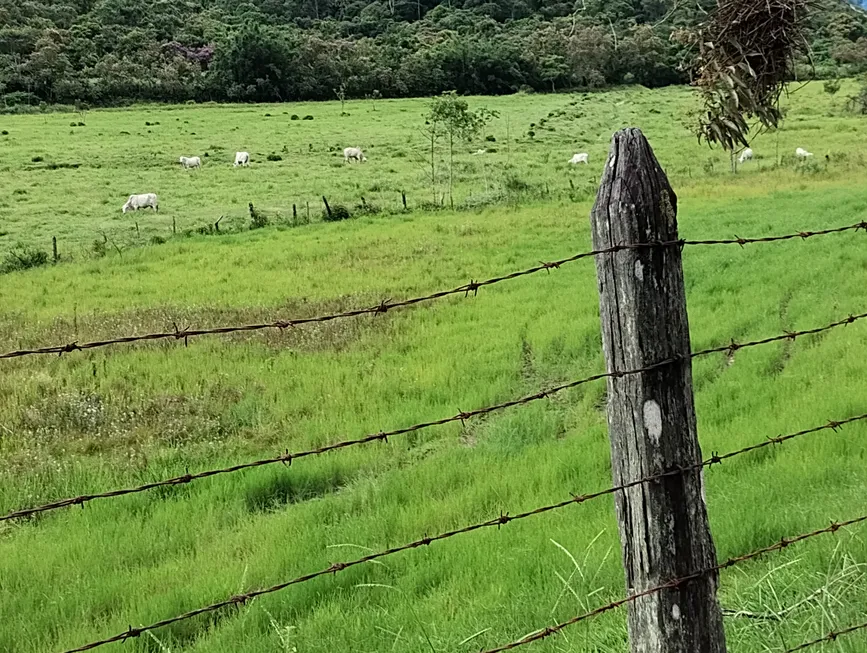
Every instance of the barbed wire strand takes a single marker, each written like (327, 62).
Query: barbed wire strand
(673, 584)
(388, 305)
(497, 522)
(830, 637)
(382, 436)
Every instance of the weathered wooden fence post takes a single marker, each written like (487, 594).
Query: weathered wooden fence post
(664, 528)
(55, 257)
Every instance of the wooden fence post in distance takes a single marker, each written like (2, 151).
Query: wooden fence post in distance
(664, 530)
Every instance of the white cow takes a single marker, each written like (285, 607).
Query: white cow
(191, 162)
(478, 152)
(353, 154)
(746, 155)
(580, 158)
(801, 153)
(136, 202)
(242, 159)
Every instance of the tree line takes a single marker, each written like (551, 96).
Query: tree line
(108, 52)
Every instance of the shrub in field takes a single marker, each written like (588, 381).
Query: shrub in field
(481, 200)
(158, 240)
(308, 117)
(99, 248)
(338, 213)
(23, 258)
(258, 220)
(366, 208)
(858, 103)
(274, 157)
(295, 116)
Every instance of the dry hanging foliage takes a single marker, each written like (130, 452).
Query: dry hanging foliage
(746, 53)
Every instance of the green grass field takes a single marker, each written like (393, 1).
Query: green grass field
(127, 415)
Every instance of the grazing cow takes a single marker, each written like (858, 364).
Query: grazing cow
(190, 162)
(746, 155)
(136, 202)
(353, 154)
(478, 152)
(580, 158)
(801, 153)
(242, 159)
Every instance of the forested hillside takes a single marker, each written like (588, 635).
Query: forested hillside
(110, 51)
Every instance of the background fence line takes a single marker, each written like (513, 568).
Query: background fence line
(383, 436)
(388, 305)
(675, 583)
(502, 520)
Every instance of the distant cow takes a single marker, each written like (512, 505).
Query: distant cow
(746, 155)
(801, 153)
(353, 154)
(136, 202)
(478, 152)
(242, 159)
(580, 158)
(190, 162)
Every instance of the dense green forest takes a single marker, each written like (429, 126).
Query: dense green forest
(107, 52)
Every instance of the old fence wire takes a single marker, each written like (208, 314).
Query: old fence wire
(462, 416)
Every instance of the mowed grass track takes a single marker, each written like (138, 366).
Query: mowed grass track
(115, 417)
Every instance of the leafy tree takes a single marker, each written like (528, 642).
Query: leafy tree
(255, 65)
(451, 114)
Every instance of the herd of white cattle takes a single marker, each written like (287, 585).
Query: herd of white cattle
(150, 200)
(746, 155)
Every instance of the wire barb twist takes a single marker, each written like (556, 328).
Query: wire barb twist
(830, 637)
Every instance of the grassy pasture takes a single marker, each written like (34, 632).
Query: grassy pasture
(120, 152)
(110, 418)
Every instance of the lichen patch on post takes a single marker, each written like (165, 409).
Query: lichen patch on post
(653, 419)
(639, 270)
(675, 611)
(701, 485)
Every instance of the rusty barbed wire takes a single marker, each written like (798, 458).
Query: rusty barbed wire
(675, 583)
(803, 235)
(387, 305)
(382, 436)
(830, 637)
(498, 522)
